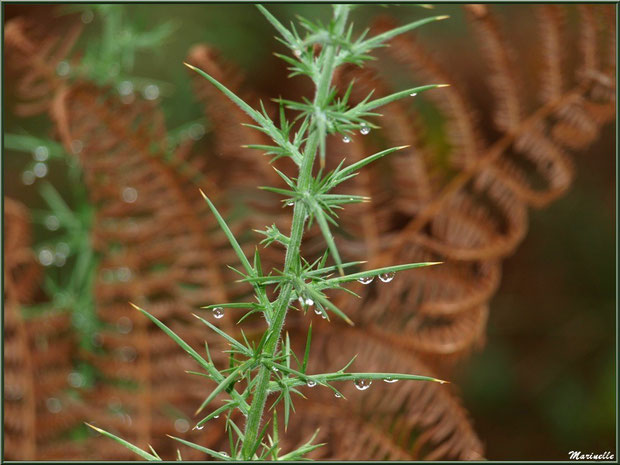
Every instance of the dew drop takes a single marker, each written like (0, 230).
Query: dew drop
(324, 316)
(77, 146)
(218, 312)
(125, 88)
(199, 427)
(151, 92)
(196, 131)
(365, 130)
(290, 203)
(41, 153)
(63, 68)
(129, 194)
(413, 94)
(318, 311)
(75, 379)
(124, 325)
(87, 17)
(297, 52)
(309, 302)
(63, 248)
(216, 416)
(13, 393)
(181, 425)
(387, 277)
(441, 381)
(60, 259)
(275, 369)
(390, 380)
(40, 169)
(53, 404)
(128, 354)
(337, 395)
(366, 280)
(346, 139)
(123, 274)
(362, 384)
(224, 454)
(46, 257)
(28, 177)
(52, 223)
(311, 383)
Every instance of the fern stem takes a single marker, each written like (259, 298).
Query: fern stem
(297, 229)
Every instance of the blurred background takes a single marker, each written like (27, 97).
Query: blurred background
(543, 384)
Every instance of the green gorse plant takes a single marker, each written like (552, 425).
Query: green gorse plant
(270, 366)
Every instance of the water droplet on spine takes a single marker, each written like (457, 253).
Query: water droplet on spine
(364, 130)
(297, 52)
(199, 427)
(362, 384)
(387, 277)
(346, 139)
(413, 94)
(337, 395)
(311, 383)
(366, 280)
(390, 380)
(218, 312)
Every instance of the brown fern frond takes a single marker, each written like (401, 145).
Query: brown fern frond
(228, 120)
(395, 421)
(34, 52)
(480, 215)
(37, 351)
(160, 247)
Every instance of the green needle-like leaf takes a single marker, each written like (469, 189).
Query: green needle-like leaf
(223, 385)
(209, 367)
(211, 452)
(369, 106)
(236, 344)
(128, 445)
(372, 273)
(327, 235)
(231, 238)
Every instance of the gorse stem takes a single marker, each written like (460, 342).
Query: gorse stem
(297, 229)
(257, 364)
